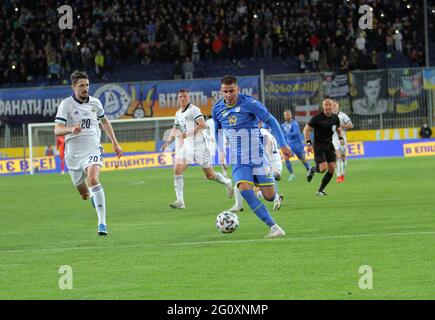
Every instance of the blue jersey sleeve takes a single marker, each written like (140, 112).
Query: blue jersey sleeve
(276, 131)
(260, 110)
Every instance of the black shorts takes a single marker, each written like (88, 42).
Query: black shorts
(324, 153)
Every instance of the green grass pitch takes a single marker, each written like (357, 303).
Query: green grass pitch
(382, 216)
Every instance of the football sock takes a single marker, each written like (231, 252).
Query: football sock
(259, 208)
(326, 178)
(306, 165)
(238, 197)
(338, 168)
(289, 166)
(179, 187)
(221, 179)
(100, 203)
(343, 166)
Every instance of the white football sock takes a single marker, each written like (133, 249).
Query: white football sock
(338, 168)
(179, 188)
(276, 197)
(221, 179)
(100, 203)
(344, 166)
(238, 197)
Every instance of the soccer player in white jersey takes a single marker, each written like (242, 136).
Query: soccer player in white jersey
(275, 162)
(190, 147)
(78, 119)
(211, 143)
(340, 149)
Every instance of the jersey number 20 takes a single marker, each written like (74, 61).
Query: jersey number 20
(86, 123)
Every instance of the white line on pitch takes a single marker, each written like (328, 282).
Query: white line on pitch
(152, 245)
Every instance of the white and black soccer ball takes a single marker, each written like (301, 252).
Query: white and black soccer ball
(227, 222)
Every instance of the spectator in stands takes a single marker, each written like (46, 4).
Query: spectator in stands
(178, 70)
(99, 64)
(398, 41)
(49, 151)
(425, 131)
(134, 34)
(188, 69)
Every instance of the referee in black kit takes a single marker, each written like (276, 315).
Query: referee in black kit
(324, 125)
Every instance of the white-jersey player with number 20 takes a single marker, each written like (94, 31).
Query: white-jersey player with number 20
(340, 150)
(78, 119)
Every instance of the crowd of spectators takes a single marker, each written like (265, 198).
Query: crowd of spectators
(106, 35)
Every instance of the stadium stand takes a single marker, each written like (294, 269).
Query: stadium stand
(141, 40)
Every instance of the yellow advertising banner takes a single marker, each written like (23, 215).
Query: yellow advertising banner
(419, 149)
(139, 161)
(10, 166)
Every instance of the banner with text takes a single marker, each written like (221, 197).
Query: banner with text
(120, 100)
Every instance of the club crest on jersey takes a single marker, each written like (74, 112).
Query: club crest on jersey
(115, 100)
(237, 109)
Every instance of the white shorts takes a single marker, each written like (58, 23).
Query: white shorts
(78, 163)
(338, 147)
(199, 154)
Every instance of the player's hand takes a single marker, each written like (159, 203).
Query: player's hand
(187, 134)
(342, 142)
(221, 158)
(76, 129)
(118, 150)
(310, 149)
(287, 152)
(164, 146)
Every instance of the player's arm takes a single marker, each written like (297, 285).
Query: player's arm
(307, 136)
(348, 124)
(172, 135)
(60, 129)
(200, 125)
(264, 115)
(107, 127)
(340, 135)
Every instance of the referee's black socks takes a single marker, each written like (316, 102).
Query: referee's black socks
(326, 178)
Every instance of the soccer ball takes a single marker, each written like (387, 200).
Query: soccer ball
(227, 222)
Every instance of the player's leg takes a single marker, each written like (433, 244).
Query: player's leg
(219, 178)
(338, 167)
(329, 168)
(343, 161)
(243, 178)
(321, 164)
(62, 164)
(179, 168)
(300, 153)
(289, 166)
(84, 191)
(202, 157)
(98, 196)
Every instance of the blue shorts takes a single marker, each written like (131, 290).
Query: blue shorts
(299, 151)
(255, 175)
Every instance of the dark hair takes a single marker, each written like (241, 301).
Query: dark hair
(229, 80)
(373, 77)
(183, 90)
(77, 75)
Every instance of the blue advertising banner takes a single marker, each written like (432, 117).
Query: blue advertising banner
(297, 88)
(120, 100)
